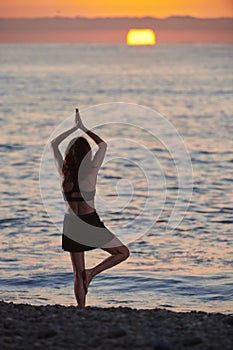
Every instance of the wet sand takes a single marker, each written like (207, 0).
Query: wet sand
(25, 326)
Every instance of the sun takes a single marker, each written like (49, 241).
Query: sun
(141, 37)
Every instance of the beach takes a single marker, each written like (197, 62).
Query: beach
(26, 326)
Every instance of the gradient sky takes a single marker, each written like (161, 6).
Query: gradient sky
(99, 8)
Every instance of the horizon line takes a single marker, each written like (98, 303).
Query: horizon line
(119, 17)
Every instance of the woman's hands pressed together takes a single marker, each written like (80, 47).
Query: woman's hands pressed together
(78, 121)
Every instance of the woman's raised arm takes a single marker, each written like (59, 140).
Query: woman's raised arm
(56, 142)
(100, 154)
(58, 139)
(56, 152)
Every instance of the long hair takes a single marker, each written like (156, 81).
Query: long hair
(77, 162)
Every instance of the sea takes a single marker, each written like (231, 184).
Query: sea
(164, 188)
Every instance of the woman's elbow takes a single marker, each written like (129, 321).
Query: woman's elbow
(53, 143)
(103, 144)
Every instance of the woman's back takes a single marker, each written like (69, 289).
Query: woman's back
(80, 197)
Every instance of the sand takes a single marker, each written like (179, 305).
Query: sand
(25, 326)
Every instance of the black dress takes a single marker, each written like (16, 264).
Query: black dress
(84, 232)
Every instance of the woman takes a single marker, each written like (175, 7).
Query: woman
(79, 172)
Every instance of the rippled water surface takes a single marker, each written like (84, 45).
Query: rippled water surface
(187, 268)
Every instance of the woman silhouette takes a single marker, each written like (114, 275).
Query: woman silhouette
(82, 223)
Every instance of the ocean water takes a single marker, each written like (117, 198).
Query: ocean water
(187, 268)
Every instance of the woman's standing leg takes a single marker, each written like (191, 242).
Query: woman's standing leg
(78, 263)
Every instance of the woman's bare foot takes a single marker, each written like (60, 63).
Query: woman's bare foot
(87, 277)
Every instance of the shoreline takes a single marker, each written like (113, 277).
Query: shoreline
(53, 326)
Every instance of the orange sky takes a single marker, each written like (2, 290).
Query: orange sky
(111, 8)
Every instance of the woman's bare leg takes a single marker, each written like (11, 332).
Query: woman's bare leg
(78, 268)
(118, 254)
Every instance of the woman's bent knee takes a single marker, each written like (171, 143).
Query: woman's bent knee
(125, 252)
(121, 250)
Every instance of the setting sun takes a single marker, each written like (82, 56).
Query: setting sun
(141, 37)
